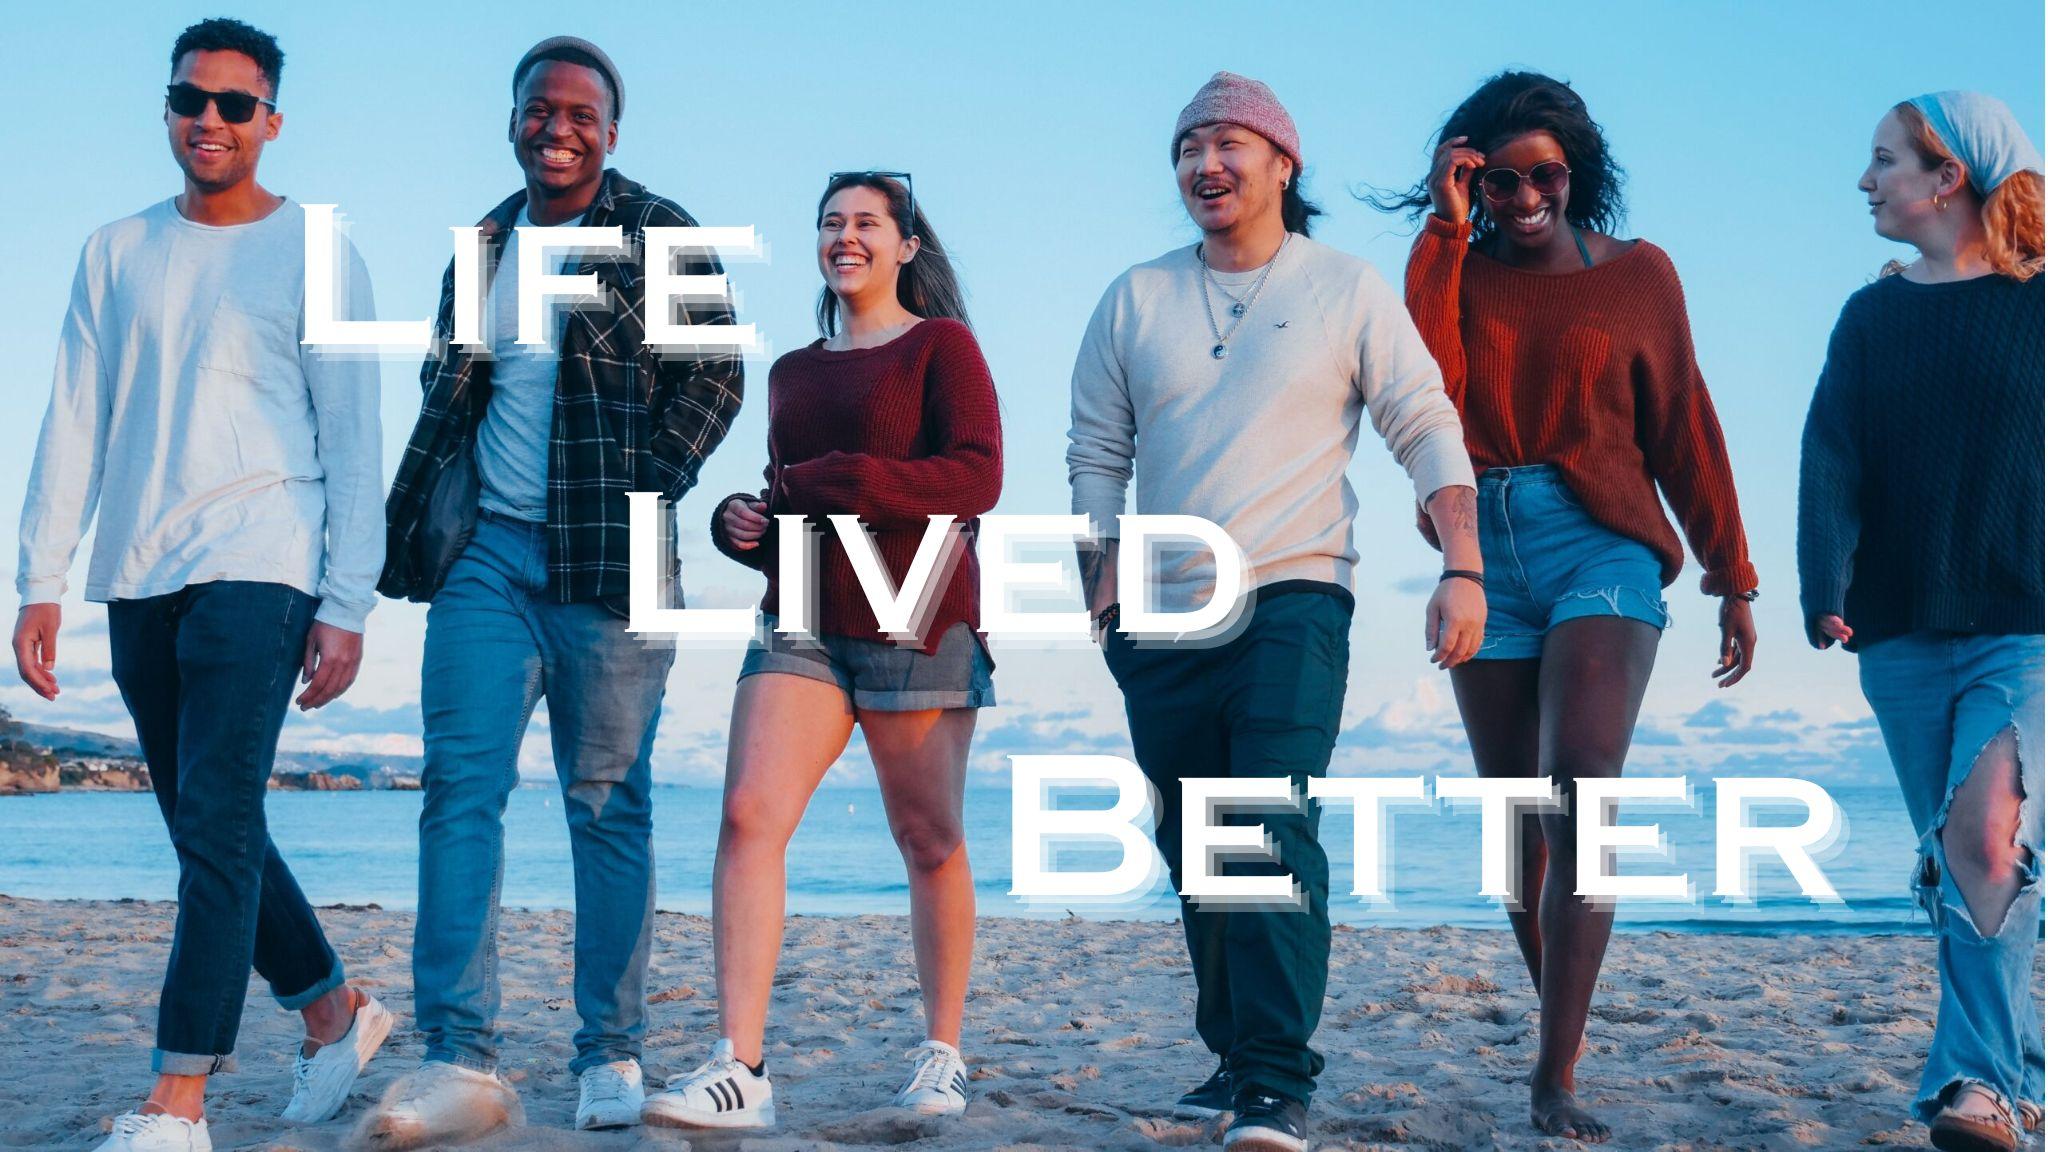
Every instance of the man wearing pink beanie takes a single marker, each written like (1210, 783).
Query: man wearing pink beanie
(1230, 378)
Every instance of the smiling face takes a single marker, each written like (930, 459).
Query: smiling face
(861, 250)
(1229, 176)
(1527, 219)
(215, 154)
(562, 128)
(1898, 185)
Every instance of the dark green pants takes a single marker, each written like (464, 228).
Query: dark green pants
(1265, 704)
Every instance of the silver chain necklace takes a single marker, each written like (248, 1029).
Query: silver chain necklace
(1239, 307)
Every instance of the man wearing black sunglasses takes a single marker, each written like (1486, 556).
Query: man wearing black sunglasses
(235, 476)
(509, 515)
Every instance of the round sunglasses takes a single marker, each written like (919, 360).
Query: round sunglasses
(190, 101)
(1548, 178)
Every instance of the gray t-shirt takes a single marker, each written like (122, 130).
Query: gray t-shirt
(512, 444)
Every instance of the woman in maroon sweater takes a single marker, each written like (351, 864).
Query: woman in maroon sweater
(1569, 357)
(892, 418)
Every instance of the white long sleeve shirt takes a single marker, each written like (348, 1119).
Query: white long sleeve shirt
(212, 444)
(1256, 442)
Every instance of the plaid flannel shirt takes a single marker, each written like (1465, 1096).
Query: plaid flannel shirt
(626, 418)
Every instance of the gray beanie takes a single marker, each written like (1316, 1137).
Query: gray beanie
(579, 44)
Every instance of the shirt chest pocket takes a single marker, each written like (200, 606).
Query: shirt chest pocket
(262, 346)
(253, 393)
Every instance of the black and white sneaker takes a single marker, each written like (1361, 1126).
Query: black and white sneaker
(1267, 1124)
(1209, 1098)
(938, 1084)
(721, 1093)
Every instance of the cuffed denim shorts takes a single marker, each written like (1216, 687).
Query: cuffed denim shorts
(881, 677)
(1548, 561)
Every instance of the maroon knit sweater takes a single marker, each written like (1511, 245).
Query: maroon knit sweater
(892, 434)
(1591, 371)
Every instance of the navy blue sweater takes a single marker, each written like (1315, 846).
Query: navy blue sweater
(1920, 481)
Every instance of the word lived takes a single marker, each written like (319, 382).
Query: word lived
(903, 612)
(1038, 827)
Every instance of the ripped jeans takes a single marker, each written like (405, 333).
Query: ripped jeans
(1941, 699)
(1548, 561)
(497, 643)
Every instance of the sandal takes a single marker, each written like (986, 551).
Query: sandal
(1953, 1131)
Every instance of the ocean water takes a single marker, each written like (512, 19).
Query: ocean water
(362, 848)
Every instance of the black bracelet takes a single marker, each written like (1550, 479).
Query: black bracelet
(1107, 618)
(1463, 574)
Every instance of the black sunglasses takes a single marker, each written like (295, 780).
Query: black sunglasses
(190, 100)
(1548, 178)
(909, 188)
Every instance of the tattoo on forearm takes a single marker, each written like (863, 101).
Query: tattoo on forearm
(1091, 573)
(1464, 510)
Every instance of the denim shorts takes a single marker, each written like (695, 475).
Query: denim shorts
(1548, 561)
(882, 677)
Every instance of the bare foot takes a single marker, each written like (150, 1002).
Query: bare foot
(1556, 1112)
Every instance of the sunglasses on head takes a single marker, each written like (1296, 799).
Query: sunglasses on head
(190, 100)
(909, 189)
(1548, 178)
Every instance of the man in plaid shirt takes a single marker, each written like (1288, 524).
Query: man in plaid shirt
(509, 515)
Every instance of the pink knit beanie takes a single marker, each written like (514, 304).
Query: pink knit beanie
(1232, 99)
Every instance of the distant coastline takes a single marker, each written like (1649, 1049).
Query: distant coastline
(37, 760)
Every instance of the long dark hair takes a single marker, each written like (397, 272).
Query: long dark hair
(926, 286)
(1512, 104)
(1296, 210)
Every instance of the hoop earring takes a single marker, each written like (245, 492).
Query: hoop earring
(1938, 205)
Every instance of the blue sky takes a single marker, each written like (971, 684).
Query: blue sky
(1038, 136)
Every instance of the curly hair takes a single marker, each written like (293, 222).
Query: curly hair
(1513, 104)
(221, 34)
(2011, 214)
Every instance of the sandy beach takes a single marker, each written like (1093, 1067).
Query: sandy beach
(1079, 1036)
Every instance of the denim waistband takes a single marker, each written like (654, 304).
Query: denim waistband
(1523, 474)
(509, 521)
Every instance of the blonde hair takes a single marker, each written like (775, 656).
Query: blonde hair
(2011, 214)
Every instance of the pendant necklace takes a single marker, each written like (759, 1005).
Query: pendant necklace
(1238, 307)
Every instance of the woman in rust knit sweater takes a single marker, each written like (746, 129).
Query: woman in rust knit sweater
(1569, 357)
(890, 417)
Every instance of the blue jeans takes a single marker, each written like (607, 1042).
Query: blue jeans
(497, 642)
(1940, 698)
(207, 673)
(1549, 561)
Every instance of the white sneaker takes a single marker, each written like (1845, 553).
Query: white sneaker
(721, 1093)
(156, 1132)
(441, 1103)
(611, 1097)
(321, 1082)
(938, 1085)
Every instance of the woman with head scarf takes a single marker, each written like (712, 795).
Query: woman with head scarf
(1920, 537)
